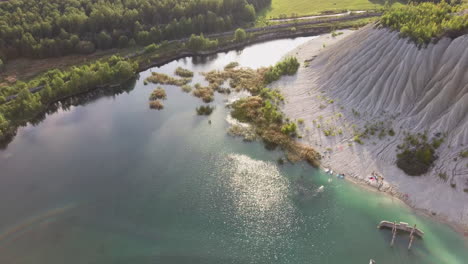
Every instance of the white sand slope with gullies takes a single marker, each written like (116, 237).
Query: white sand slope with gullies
(374, 77)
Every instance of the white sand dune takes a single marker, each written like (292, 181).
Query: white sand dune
(374, 76)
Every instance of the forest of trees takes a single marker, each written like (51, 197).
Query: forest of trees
(47, 28)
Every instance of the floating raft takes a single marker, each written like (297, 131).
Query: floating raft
(402, 226)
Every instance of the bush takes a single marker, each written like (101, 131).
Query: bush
(123, 42)
(156, 104)
(85, 47)
(417, 154)
(334, 33)
(151, 48)
(183, 72)
(231, 65)
(289, 128)
(358, 139)
(186, 88)
(197, 43)
(443, 176)
(2, 66)
(464, 154)
(124, 70)
(240, 35)
(158, 93)
(288, 66)
(161, 78)
(204, 110)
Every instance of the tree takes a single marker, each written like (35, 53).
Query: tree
(3, 125)
(2, 66)
(85, 47)
(196, 42)
(43, 28)
(28, 102)
(124, 70)
(132, 42)
(46, 93)
(143, 37)
(123, 42)
(240, 35)
(151, 48)
(248, 13)
(103, 40)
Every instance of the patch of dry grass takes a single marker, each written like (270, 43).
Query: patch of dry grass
(231, 65)
(158, 93)
(156, 104)
(161, 78)
(186, 88)
(239, 79)
(183, 72)
(206, 93)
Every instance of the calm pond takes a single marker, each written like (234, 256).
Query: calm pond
(111, 181)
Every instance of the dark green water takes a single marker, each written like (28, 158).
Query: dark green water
(110, 181)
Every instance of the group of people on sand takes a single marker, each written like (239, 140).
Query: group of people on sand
(377, 177)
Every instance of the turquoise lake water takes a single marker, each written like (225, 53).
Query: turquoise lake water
(110, 181)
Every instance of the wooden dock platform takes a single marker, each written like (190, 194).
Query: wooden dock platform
(402, 226)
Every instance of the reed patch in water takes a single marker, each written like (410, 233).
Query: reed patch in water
(158, 93)
(156, 104)
(184, 73)
(206, 93)
(186, 88)
(161, 78)
(204, 110)
(231, 65)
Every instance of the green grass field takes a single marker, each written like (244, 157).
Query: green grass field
(313, 7)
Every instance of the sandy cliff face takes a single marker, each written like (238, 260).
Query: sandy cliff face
(373, 76)
(375, 70)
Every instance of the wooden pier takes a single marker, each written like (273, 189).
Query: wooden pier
(402, 226)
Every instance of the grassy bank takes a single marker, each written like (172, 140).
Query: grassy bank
(296, 8)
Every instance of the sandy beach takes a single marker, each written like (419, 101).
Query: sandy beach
(372, 76)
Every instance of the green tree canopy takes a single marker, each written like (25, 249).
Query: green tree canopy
(425, 21)
(240, 35)
(44, 28)
(124, 70)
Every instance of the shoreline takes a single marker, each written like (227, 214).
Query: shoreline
(347, 163)
(458, 228)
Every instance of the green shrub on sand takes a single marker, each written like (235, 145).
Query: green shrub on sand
(417, 154)
(288, 66)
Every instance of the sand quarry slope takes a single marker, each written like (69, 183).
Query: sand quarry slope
(372, 76)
